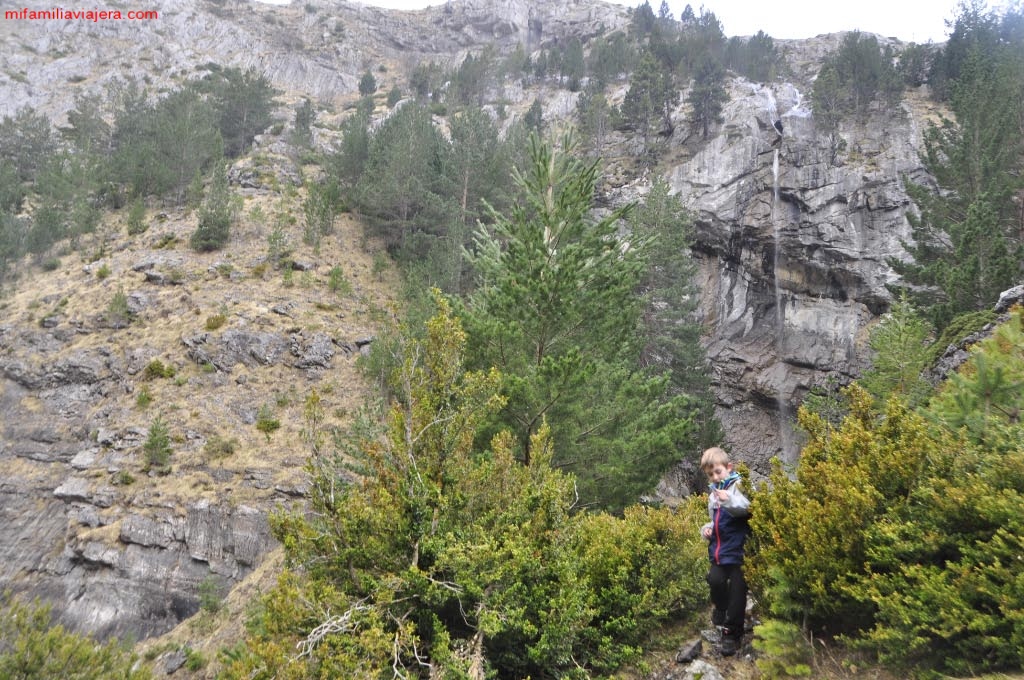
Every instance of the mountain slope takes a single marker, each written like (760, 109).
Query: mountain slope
(125, 550)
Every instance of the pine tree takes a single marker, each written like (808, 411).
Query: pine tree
(216, 215)
(402, 185)
(160, 146)
(829, 108)
(572, 66)
(157, 449)
(900, 355)
(671, 335)
(707, 96)
(594, 118)
(479, 166)
(349, 161)
(648, 104)
(969, 237)
(305, 114)
(557, 312)
(244, 104)
(26, 141)
(367, 84)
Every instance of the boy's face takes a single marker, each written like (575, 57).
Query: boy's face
(718, 471)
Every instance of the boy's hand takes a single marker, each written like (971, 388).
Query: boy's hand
(721, 494)
(706, 532)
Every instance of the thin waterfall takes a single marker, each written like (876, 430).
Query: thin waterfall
(785, 426)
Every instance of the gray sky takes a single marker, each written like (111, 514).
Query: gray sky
(909, 20)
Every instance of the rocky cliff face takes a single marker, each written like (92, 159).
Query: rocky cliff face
(316, 48)
(118, 546)
(793, 242)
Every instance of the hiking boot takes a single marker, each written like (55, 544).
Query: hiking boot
(717, 617)
(731, 641)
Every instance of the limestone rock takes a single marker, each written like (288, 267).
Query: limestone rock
(793, 249)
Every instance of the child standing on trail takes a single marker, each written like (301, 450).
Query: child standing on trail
(728, 510)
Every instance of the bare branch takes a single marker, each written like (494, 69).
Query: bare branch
(342, 623)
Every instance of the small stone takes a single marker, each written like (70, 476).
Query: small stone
(689, 651)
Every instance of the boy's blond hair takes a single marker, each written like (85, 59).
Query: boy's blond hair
(714, 456)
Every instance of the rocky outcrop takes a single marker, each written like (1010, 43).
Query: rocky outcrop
(120, 547)
(112, 559)
(316, 48)
(793, 243)
(956, 354)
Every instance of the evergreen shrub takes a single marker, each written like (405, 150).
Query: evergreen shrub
(902, 528)
(465, 558)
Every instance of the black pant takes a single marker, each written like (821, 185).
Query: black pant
(729, 594)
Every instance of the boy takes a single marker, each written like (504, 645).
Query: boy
(728, 509)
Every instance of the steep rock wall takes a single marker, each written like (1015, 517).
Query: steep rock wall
(793, 242)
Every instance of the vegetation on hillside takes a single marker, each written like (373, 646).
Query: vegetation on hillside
(902, 528)
(121, 149)
(483, 520)
(969, 235)
(32, 647)
(448, 559)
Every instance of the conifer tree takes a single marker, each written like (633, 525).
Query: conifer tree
(216, 215)
(479, 166)
(557, 312)
(900, 346)
(647, 105)
(969, 236)
(243, 102)
(594, 118)
(157, 449)
(707, 97)
(367, 84)
(671, 336)
(427, 554)
(26, 141)
(349, 161)
(305, 114)
(402, 185)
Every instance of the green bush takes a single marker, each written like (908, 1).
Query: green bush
(136, 218)
(157, 449)
(640, 570)
(194, 660)
(783, 652)
(394, 96)
(31, 646)
(808, 533)
(220, 447)
(165, 241)
(215, 321)
(157, 369)
(266, 422)
(337, 282)
(958, 329)
(118, 315)
(209, 595)
(903, 528)
(466, 559)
